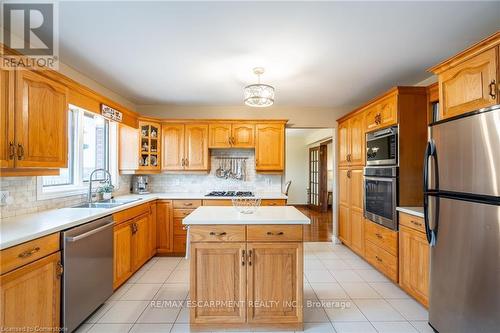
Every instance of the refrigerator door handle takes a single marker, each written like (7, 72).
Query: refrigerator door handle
(431, 203)
(430, 153)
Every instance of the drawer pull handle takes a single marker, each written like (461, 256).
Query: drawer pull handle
(212, 233)
(379, 236)
(493, 89)
(188, 204)
(270, 233)
(29, 253)
(378, 259)
(243, 258)
(60, 270)
(418, 224)
(250, 258)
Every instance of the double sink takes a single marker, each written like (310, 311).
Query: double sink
(111, 203)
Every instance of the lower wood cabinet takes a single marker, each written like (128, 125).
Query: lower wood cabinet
(164, 227)
(122, 258)
(381, 249)
(30, 296)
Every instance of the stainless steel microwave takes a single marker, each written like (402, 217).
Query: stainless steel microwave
(382, 147)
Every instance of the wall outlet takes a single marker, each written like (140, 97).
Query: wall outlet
(4, 195)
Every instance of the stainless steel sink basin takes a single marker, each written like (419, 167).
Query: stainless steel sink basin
(106, 203)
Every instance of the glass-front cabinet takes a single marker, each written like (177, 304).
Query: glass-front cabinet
(149, 150)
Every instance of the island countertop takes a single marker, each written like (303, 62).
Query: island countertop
(229, 215)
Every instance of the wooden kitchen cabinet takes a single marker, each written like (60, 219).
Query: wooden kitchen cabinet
(382, 114)
(351, 226)
(470, 80)
(269, 147)
(231, 135)
(164, 226)
(281, 263)
(149, 146)
(141, 241)
(185, 147)
(243, 135)
(173, 147)
(219, 135)
(351, 138)
(7, 152)
(344, 142)
(218, 273)
(122, 249)
(381, 249)
(128, 155)
(31, 294)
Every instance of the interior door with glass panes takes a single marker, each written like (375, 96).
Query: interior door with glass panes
(318, 196)
(149, 158)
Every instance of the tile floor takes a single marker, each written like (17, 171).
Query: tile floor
(343, 292)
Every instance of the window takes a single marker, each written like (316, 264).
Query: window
(89, 137)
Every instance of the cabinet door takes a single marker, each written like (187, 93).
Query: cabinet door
(218, 274)
(470, 85)
(173, 147)
(164, 226)
(371, 118)
(30, 295)
(357, 140)
(356, 222)
(344, 139)
(149, 146)
(281, 263)
(122, 257)
(388, 110)
(344, 186)
(6, 119)
(41, 120)
(344, 226)
(270, 147)
(141, 248)
(219, 135)
(152, 229)
(243, 135)
(414, 263)
(356, 189)
(129, 148)
(196, 147)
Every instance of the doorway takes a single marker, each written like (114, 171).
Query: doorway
(318, 178)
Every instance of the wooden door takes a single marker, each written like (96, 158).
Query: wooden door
(275, 274)
(173, 147)
(41, 120)
(243, 135)
(30, 295)
(318, 178)
(196, 147)
(164, 226)
(344, 142)
(414, 263)
(7, 119)
(141, 248)
(470, 85)
(357, 140)
(218, 274)
(270, 147)
(219, 135)
(122, 257)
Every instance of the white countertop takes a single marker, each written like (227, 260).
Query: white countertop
(19, 229)
(415, 211)
(229, 215)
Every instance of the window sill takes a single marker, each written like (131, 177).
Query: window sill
(58, 191)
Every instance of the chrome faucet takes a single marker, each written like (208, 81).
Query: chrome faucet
(108, 179)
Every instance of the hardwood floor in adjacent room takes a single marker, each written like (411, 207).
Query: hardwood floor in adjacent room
(321, 227)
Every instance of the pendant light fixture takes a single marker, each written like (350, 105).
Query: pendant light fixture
(259, 95)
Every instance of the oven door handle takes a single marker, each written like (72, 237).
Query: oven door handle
(382, 179)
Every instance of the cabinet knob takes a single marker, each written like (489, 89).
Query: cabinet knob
(212, 233)
(279, 233)
(378, 236)
(60, 270)
(20, 151)
(418, 224)
(243, 258)
(378, 259)
(493, 89)
(12, 150)
(28, 253)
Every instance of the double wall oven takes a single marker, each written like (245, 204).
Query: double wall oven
(381, 177)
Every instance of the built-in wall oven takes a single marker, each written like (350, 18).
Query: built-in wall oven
(381, 195)
(382, 147)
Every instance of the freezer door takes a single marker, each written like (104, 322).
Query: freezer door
(465, 268)
(468, 154)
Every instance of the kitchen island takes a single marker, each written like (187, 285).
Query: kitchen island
(246, 270)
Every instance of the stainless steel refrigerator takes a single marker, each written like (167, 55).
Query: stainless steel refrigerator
(462, 219)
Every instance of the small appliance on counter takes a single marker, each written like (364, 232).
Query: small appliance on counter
(140, 185)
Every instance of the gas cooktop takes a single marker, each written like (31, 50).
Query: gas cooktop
(230, 194)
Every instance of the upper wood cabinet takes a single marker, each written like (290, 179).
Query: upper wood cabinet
(185, 147)
(173, 147)
(149, 146)
(30, 295)
(129, 143)
(470, 80)
(351, 138)
(383, 114)
(41, 120)
(270, 147)
(7, 149)
(231, 135)
(344, 142)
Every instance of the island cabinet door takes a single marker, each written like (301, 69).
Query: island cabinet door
(218, 285)
(274, 283)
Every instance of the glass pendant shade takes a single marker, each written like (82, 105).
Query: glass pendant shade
(259, 95)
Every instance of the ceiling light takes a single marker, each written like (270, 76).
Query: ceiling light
(259, 95)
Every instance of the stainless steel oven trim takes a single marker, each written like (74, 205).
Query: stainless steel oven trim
(388, 162)
(391, 224)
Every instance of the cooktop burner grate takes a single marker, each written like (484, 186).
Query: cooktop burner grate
(230, 194)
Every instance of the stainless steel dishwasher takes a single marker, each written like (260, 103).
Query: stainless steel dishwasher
(88, 270)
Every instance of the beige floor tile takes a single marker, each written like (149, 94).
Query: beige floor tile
(158, 315)
(183, 328)
(335, 264)
(388, 290)
(119, 292)
(170, 291)
(110, 328)
(136, 276)
(346, 311)
(318, 328)
(359, 290)
(422, 326)
(151, 328)
(410, 309)
(94, 318)
(354, 327)
(357, 263)
(183, 317)
(314, 314)
(154, 276)
(141, 292)
(347, 275)
(319, 276)
(313, 264)
(329, 291)
(178, 277)
(83, 328)
(394, 327)
(371, 275)
(123, 312)
(378, 310)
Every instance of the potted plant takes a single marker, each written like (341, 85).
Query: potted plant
(106, 191)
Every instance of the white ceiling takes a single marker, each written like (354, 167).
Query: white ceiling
(333, 54)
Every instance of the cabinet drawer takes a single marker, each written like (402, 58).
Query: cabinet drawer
(272, 202)
(263, 233)
(217, 202)
(25, 253)
(179, 244)
(179, 227)
(382, 237)
(382, 260)
(182, 213)
(130, 213)
(189, 204)
(217, 233)
(411, 221)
